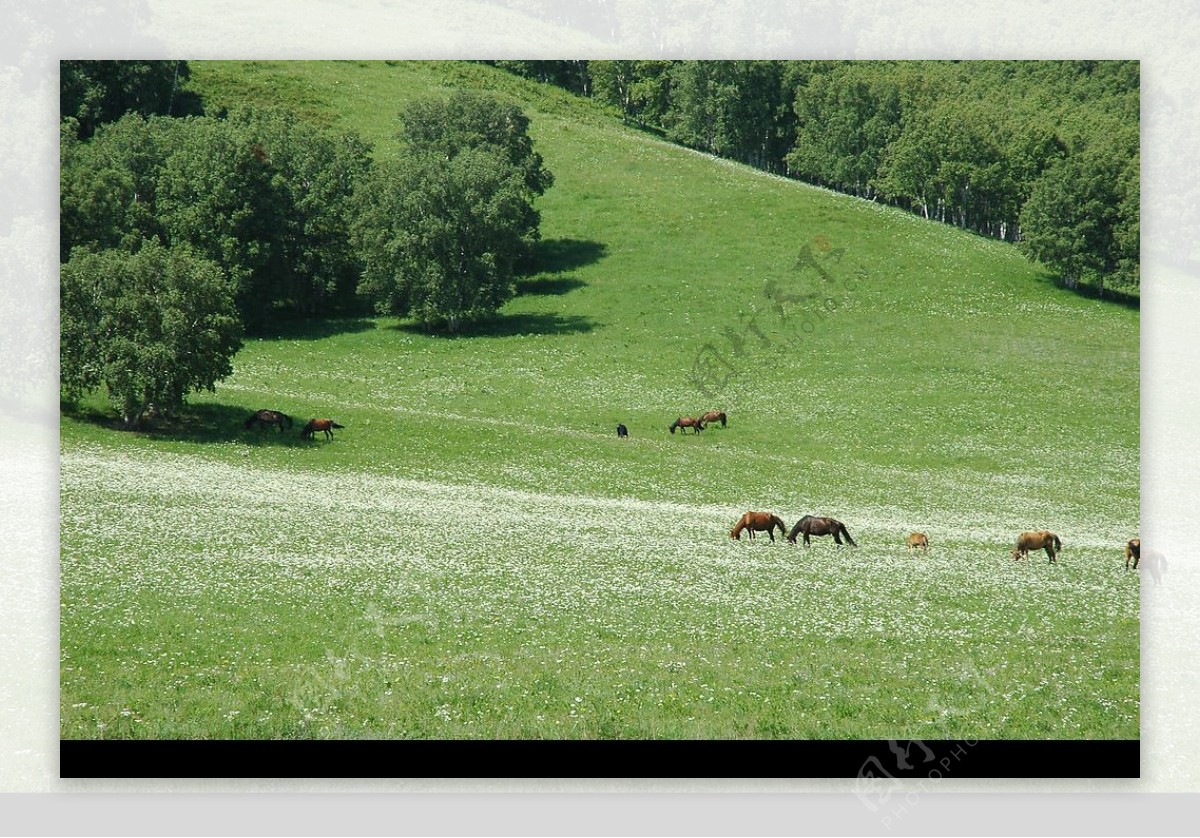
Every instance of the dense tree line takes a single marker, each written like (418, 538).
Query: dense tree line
(1043, 153)
(179, 235)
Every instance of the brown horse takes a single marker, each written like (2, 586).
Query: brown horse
(813, 525)
(713, 416)
(686, 422)
(918, 539)
(1133, 550)
(314, 425)
(757, 521)
(1037, 540)
(265, 418)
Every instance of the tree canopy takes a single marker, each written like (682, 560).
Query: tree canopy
(442, 229)
(150, 327)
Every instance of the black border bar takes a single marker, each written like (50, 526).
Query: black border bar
(871, 761)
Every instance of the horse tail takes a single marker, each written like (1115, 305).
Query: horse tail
(335, 425)
(846, 533)
(287, 420)
(250, 421)
(1057, 543)
(722, 418)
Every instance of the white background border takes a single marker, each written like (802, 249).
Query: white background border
(1162, 33)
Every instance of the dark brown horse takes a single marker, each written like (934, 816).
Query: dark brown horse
(686, 422)
(1037, 540)
(812, 525)
(266, 418)
(314, 425)
(1133, 550)
(713, 416)
(757, 521)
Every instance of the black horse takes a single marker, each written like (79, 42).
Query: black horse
(812, 525)
(622, 431)
(266, 418)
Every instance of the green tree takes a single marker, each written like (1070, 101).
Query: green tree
(1080, 219)
(469, 120)
(313, 175)
(94, 92)
(440, 237)
(845, 118)
(150, 327)
(640, 90)
(108, 184)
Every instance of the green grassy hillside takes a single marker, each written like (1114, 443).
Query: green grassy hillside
(477, 554)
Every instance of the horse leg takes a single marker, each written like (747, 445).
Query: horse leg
(837, 538)
(1050, 553)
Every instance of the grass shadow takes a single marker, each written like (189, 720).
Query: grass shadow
(510, 325)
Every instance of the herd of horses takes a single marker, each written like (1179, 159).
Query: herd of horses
(811, 525)
(274, 418)
(768, 522)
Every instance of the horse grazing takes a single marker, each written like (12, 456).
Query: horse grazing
(314, 425)
(622, 432)
(757, 521)
(686, 422)
(1037, 540)
(713, 416)
(265, 418)
(1133, 550)
(813, 525)
(918, 539)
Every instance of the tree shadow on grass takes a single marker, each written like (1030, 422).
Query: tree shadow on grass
(1092, 292)
(200, 423)
(553, 256)
(510, 325)
(317, 329)
(549, 286)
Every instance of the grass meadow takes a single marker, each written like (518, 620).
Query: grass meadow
(477, 555)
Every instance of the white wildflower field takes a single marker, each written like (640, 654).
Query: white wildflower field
(477, 555)
(203, 599)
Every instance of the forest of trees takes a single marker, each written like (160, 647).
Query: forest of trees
(175, 220)
(1041, 153)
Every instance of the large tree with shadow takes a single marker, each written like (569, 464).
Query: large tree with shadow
(149, 327)
(440, 230)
